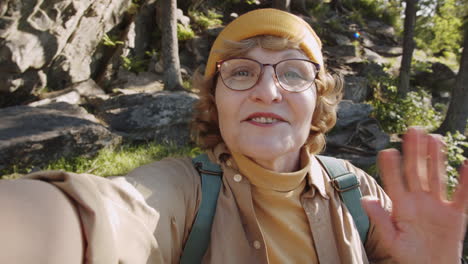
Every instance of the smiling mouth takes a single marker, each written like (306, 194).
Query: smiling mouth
(265, 120)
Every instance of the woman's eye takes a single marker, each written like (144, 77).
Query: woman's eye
(292, 75)
(241, 73)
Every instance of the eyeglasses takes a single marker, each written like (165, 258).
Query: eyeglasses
(294, 75)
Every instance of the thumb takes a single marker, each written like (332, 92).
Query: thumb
(381, 219)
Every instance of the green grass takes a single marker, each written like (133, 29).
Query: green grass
(114, 162)
(207, 19)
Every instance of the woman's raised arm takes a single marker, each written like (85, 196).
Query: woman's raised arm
(38, 224)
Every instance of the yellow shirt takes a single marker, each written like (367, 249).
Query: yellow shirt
(278, 208)
(146, 216)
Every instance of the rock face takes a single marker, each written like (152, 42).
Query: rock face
(356, 88)
(440, 78)
(31, 136)
(57, 38)
(76, 94)
(356, 137)
(162, 116)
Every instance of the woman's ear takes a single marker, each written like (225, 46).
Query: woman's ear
(314, 128)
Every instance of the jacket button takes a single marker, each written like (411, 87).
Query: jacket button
(229, 163)
(257, 244)
(237, 178)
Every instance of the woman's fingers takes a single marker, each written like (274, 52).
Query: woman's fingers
(382, 219)
(460, 197)
(436, 167)
(415, 159)
(390, 169)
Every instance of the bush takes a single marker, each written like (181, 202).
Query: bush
(396, 114)
(204, 21)
(454, 143)
(440, 31)
(134, 64)
(110, 41)
(184, 32)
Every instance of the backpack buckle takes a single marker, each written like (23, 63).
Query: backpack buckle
(199, 167)
(345, 182)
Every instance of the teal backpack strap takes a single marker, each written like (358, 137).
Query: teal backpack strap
(347, 184)
(199, 237)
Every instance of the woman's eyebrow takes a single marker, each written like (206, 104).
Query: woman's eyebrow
(288, 55)
(296, 54)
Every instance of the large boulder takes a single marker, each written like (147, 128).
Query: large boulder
(129, 82)
(439, 78)
(34, 136)
(342, 51)
(356, 136)
(75, 94)
(381, 31)
(58, 38)
(162, 116)
(349, 113)
(356, 88)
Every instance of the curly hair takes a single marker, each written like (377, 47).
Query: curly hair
(205, 126)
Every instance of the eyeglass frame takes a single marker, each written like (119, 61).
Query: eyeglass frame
(262, 67)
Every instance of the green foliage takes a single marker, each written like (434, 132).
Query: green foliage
(206, 20)
(454, 144)
(385, 11)
(439, 30)
(134, 7)
(396, 114)
(252, 2)
(187, 84)
(133, 64)
(184, 32)
(421, 66)
(151, 53)
(321, 11)
(110, 41)
(42, 91)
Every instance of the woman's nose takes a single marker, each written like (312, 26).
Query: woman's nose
(267, 90)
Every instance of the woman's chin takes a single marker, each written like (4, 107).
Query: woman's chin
(266, 151)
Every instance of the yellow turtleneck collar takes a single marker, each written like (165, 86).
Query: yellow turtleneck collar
(267, 179)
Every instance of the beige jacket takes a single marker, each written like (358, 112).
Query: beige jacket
(146, 216)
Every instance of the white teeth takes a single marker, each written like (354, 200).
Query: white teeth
(265, 120)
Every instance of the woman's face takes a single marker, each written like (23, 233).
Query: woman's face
(266, 122)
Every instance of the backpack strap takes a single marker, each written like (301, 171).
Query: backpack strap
(199, 237)
(347, 184)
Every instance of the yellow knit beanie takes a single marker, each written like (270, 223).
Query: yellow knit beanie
(266, 22)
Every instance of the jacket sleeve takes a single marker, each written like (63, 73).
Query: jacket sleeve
(140, 218)
(369, 187)
(111, 211)
(172, 188)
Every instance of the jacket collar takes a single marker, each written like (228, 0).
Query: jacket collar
(316, 176)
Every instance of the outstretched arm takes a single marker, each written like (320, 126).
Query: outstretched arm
(423, 227)
(38, 224)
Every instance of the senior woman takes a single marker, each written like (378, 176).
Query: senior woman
(266, 101)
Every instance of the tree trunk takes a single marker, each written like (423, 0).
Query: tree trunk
(299, 6)
(457, 113)
(337, 5)
(282, 4)
(170, 46)
(408, 47)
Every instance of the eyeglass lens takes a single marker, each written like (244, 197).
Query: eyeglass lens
(293, 75)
